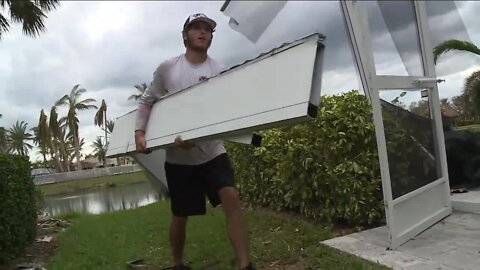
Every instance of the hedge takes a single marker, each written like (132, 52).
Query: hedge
(18, 209)
(326, 169)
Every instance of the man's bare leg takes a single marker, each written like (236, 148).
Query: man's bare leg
(177, 238)
(237, 230)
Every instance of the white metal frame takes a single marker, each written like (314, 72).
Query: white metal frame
(278, 88)
(412, 213)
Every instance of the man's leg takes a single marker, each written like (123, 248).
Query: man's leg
(187, 198)
(237, 230)
(177, 238)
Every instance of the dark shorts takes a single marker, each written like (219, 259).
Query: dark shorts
(189, 184)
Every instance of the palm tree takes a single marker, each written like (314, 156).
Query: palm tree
(73, 103)
(53, 131)
(30, 13)
(101, 118)
(18, 138)
(100, 150)
(63, 145)
(472, 84)
(141, 88)
(46, 139)
(57, 140)
(37, 140)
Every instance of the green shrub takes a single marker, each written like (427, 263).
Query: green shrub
(325, 169)
(18, 209)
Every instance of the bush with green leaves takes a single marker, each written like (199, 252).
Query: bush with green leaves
(326, 169)
(18, 206)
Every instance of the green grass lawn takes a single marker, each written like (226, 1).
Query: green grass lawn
(110, 240)
(473, 128)
(92, 183)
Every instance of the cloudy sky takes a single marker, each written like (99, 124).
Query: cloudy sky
(108, 47)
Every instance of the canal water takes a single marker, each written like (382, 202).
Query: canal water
(103, 200)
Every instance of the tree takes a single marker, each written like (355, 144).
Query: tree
(42, 133)
(30, 13)
(46, 140)
(141, 88)
(3, 138)
(421, 108)
(100, 150)
(18, 139)
(38, 142)
(73, 103)
(58, 141)
(472, 83)
(472, 89)
(101, 118)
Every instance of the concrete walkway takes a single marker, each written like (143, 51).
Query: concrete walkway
(467, 202)
(452, 244)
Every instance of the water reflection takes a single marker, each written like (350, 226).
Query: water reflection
(102, 201)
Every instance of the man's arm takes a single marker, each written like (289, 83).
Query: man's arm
(145, 103)
(148, 98)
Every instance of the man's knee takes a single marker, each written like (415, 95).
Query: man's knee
(229, 198)
(178, 221)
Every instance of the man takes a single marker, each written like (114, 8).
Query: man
(194, 170)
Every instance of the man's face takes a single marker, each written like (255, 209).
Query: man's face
(199, 36)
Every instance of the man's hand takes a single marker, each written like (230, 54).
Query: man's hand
(183, 144)
(140, 142)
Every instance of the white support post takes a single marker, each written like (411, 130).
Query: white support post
(357, 25)
(429, 71)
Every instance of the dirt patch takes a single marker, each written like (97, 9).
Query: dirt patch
(40, 252)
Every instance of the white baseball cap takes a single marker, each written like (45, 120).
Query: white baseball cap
(200, 17)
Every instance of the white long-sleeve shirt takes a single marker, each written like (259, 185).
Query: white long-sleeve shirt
(171, 76)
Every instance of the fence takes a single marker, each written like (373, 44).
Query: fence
(85, 174)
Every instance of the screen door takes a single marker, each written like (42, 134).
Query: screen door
(393, 53)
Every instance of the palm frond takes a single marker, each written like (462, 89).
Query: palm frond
(63, 122)
(99, 115)
(43, 130)
(63, 101)
(4, 25)
(82, 107)
(30, 15)
(88, 100)
(54, 124)
(454, 45)
(47, 5)
(77, 91)
(110, 125)
(141, 88)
